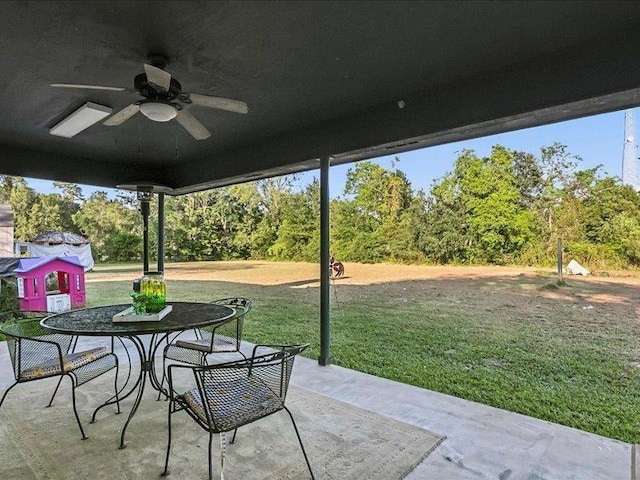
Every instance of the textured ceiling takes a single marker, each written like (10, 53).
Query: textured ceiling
(320, 78)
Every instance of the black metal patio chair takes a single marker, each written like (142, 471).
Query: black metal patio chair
(26, 314)
(37, 353)
(228, 395)
(225, 337)
(221, 338)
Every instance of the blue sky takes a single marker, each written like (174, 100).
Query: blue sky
(598, 140)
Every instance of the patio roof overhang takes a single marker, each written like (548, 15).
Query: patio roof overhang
(339, 80)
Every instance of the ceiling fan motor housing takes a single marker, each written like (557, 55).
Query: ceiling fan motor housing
(142, 85)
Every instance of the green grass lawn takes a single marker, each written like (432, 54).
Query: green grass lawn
(561, 364)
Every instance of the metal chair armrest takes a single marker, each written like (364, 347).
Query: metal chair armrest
(170, 376)
(40, 340)
(277, 347)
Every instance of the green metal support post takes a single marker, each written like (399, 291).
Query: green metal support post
(161, 232)
(144, 210)
(325, 316)
(144, 194)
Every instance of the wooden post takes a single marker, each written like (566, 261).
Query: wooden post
(559, 257)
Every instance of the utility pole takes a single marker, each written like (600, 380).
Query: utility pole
(630, 152)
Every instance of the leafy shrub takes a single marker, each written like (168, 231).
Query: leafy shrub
(8, 295)
(593, 256)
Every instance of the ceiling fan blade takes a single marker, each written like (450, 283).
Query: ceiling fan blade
(89, 87)
(158, 77)
(193, 126)
(220, 103)
(123, 115)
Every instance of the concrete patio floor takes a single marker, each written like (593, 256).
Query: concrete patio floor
(482, 442)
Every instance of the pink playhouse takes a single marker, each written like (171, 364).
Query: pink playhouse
(52, 284)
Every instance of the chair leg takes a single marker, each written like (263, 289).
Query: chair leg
(164, 374)
(5, 393)
(210, 456)
(233, 439)
(163, 377)
(115, 381)
(55, 391)
(223, 451)
(166, 462)
(295, 427)
(75, 410)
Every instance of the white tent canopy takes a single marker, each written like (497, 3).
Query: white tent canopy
(62, 244)
(574, 268)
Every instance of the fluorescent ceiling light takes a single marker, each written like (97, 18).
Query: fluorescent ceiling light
(83, 118)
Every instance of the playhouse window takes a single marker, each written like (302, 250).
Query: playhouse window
(51, 282)
(20, 285)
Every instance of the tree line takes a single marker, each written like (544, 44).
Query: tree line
(507, 208)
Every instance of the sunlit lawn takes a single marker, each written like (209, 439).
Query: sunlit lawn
(563, 366)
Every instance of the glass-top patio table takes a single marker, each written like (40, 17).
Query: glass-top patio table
(98, 321)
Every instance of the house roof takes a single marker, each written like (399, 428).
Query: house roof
(57, 238)
(349, 80)
(31, 263)
(8, 265)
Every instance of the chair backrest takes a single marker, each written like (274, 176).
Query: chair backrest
(231, 331)
(30, 344)
(243, 391)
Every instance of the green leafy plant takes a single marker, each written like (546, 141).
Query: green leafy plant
(8, 295)
(139, 303)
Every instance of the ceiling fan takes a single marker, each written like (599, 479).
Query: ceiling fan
(164, 100)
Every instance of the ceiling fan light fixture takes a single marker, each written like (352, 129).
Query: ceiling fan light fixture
(158, 111)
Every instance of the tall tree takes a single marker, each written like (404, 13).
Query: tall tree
(272, 192)
(22, 198)
(113, 229)
(370, 224)
(69, 202)
(46, 214)
(446, 234)
(213, 225)
(558, 169)
(480, 209)
(7, 184)
(612, 219)
(298, 235)
(70, 192)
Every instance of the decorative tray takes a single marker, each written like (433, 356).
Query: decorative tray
(128, 315)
